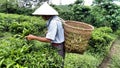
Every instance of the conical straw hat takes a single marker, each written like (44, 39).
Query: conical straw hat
(45, 9)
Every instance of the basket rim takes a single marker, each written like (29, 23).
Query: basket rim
(92, 28)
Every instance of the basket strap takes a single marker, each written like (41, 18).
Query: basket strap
(62, 20)
(49, 21)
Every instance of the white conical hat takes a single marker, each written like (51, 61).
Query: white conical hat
(45, 9)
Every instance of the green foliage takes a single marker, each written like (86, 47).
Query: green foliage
(115, 62)
(78, 1)
(18, 52)
(67, 14)
(80, 12)
(118, 32)
(75, 12)
(105, 14)
(15, 51)
(101, 1)
(1, 35)
(21, 24)
(12, 7)
(115, 55)
(81, 61)
(99, 15)
(100, 40)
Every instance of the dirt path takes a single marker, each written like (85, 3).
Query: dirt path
(115, 49)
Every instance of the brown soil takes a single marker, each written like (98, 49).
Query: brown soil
(115, 49)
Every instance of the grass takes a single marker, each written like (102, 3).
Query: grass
(115, 56)
(115, 61)
(85, 60)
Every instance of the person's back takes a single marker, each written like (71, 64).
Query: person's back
(55, 30)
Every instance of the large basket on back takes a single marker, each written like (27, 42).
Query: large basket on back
(77, 35)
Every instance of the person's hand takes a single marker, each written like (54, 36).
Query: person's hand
(30, 37)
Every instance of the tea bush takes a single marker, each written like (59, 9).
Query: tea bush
(101, 40)
(19, 52)
(118, 32)
(15, 51)
(81, 61)
(21, 24)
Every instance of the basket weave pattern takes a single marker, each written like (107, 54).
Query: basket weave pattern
(77, 35)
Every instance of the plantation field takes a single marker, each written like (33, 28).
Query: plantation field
(17, 52)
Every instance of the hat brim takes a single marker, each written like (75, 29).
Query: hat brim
(45, 9)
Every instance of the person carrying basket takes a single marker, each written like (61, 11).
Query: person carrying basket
(55, 30)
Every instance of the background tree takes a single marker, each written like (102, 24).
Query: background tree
(79, 2)
(106, 13)
(102, 1)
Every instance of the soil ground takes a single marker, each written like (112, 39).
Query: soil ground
(114, 50)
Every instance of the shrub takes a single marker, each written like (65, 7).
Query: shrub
(21, 24)
(101, 15)
(81, 61)
(118, 32)
(12, 7)
(101, 40)
(18, 52)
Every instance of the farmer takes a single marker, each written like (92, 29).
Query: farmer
(55, 33)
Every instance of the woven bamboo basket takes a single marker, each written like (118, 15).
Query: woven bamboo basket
(77, 35)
